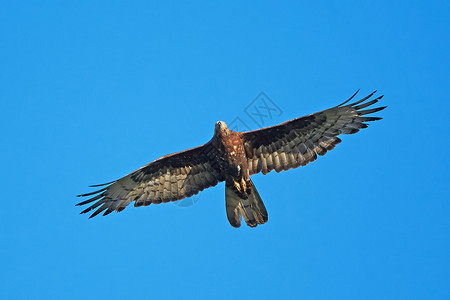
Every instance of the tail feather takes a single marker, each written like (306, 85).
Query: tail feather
(233, 206)
(251, 207)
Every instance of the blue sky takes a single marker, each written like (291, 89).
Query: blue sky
(91, 90)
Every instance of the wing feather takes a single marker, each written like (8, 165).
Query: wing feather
(298, 142)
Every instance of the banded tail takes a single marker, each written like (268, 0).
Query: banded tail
(247, 204)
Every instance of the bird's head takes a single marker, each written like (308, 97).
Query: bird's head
(221, 127)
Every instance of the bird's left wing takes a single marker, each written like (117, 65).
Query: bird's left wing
(170, 178)
(297, 142)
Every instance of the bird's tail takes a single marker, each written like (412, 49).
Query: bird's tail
(239, 203)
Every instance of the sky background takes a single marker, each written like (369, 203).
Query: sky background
(92, 90)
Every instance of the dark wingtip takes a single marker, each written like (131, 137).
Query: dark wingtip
(364, 99)
(102, 184)
(86, 210)
(95, 213)
(371, 111)
(92, 193)
(349, 98)
(108, 211)
(99, 196)
(370, 119)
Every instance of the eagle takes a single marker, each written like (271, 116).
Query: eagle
(233, 157)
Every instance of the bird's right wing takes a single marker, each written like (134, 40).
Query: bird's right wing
(170, 178)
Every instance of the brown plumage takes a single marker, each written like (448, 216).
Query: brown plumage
(232, 157)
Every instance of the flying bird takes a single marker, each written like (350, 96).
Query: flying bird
(233, 157)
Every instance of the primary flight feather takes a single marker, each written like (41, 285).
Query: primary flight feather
(233, 157)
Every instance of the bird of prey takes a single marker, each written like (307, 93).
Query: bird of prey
(233, 157)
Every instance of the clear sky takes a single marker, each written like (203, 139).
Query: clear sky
(92, 90)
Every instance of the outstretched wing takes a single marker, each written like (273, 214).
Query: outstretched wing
(170, 178)
(297, 142)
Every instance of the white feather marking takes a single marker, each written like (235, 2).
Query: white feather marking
(269, 161)
(283, 159)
